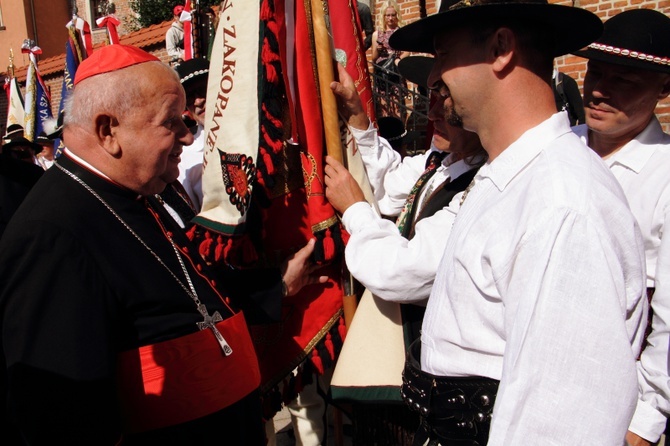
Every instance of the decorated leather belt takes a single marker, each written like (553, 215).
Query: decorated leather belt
(186, 378)
(454, 410)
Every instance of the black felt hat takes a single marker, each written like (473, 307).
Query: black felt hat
(192, 69)
(416, 69)
(572, 28)
(391, 128)
(638, 38)
(15, 137)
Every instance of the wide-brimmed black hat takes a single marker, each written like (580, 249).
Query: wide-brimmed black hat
(639, 38)
(15, 137)
(192, 69)
(416, 69)
(572, 28)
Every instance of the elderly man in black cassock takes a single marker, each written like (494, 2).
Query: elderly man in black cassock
(112, 328)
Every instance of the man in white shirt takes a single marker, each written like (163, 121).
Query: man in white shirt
(541, 286)
(399, 265)
(620, 95)
(193, 75)
(397, 261)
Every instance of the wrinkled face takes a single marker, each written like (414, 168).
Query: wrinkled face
(152, 135)
(457, 77)
(391, 18)
(619, 101)
(196, 96)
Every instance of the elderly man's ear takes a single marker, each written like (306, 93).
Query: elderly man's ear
(105, 131)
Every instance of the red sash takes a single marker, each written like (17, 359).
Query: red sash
(186, 378)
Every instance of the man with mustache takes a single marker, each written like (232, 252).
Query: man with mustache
(397, 260)
(628, 73)
(398, 263)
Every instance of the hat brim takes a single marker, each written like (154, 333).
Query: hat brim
(192, 70)
(572, 28)
(613, 59)
(191, 78)
(22, 142)
(416, 69)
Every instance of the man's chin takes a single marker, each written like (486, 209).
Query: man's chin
(167, 178)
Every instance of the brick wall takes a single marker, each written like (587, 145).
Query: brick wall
(123, 13)
(410, 9)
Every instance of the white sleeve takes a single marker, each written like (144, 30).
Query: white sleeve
(192, 183)
(389, 265)
(653, 407)
(390, 176)
(572, 334)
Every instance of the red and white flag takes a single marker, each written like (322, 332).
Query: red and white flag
(186, 18)
(84, 31)
(111, 23)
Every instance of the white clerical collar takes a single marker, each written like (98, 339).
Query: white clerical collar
(90, 167)
(85, 164)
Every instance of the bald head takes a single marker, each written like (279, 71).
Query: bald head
(118, 92)
(127, 124)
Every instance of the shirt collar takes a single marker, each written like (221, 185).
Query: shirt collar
(635, 154)
(458, 168)
(521, 152)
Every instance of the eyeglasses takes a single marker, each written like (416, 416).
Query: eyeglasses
(440, 89)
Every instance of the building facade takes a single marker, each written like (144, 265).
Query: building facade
(46, 19)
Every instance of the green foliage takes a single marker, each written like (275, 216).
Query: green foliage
(152, 12)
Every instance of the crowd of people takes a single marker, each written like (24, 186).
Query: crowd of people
(525, 247)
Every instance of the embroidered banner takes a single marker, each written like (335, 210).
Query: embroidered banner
(231, 121)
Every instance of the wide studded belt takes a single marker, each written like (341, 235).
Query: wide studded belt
(454, 410)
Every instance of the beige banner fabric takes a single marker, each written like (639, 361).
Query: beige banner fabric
(373, 353)
(232, 118)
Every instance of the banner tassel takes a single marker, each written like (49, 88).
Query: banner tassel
(316, 361)
(342, 329)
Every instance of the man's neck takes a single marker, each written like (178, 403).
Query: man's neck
(508, 131)
(606, 145)
(523, 102)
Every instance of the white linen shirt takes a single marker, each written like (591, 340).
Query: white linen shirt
(643, 169)
(190, 168)
(542, 287)
(385, 262)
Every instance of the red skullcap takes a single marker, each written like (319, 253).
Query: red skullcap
(111, 58)
(178, 9)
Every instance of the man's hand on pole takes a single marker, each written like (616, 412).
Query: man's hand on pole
(342, 190)
(348, 100)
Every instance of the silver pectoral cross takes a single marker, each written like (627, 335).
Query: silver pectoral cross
(209, 323)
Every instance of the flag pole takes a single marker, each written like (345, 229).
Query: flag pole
(331, 123)
(10, 67)
(326, 70)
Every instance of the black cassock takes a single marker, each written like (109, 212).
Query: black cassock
(76, 289)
